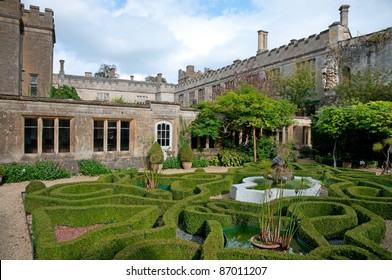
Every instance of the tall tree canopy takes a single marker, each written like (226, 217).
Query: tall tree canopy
(244, 108)
(107, 71)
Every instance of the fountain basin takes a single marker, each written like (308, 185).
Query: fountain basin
(244, 192)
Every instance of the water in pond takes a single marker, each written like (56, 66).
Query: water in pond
(239, 237)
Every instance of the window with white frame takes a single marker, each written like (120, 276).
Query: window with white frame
(163, 134)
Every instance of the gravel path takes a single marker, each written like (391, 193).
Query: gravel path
(15, 242)
(14, 237)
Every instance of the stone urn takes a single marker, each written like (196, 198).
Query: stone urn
(186, 164)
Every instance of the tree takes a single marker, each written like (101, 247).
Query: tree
(207, 122)
(153, 79)
(332, 122)
(248, 108)
(64, 92)
(107, 71)
(297, 88)
(365, 86)
(379, 147)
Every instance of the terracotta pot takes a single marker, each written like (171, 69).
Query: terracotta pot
(255, 242)
(186, 164)
(347, 164)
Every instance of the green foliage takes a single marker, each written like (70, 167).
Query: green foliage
(155, 154)
(297, 88)
(172, 163)
(232, 157)
(365, 86)
(120, 99)
(91, 167)
(43, 169)
(186, 153)
(2, 170)
(64, 92)
(207, 122)
(34, 186)
(153, 79)
(200, 162)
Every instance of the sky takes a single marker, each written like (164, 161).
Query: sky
(144, 38)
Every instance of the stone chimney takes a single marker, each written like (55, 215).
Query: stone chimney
(132, 77)
(88, 74)
(112, 73)
(159, 78)
(344, 15)
(62, 73)
(262, 41)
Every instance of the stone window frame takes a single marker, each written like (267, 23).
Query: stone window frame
(119, 129)
(159, 139)
(33, 84)
(56, 135)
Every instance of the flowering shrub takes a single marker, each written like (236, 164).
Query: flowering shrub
(43, 169)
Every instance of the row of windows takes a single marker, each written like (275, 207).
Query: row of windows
(47, 135)
(53, 135)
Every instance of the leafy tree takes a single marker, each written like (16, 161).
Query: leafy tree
(332, 122)
(366, 86)
(107, 71)
(297, 88)
(248, 108)
(153, 79)
(207, 122)
(64, 92)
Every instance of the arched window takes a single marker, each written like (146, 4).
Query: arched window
(163, 134)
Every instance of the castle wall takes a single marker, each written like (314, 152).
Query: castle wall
(38, 41)
(368, 51)
(10, 13)
(92, 88)
(142, 119)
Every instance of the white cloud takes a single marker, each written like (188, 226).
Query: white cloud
(161, 36)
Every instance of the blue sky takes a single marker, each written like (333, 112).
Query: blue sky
(162, 36)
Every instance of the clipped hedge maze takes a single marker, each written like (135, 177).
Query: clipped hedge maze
(135, 223)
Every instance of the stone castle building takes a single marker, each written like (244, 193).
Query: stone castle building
(34, 126)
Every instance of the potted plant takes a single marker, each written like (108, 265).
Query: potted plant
(155, 157)
(186, 155)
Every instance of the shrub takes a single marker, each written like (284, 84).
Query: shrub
(172, 163)
(91, 167)
(34, 186)
(41, 170)
(2, 170)
(200, 162)
(186, 153)
(231, 157)
(64, 92)
(155, 154)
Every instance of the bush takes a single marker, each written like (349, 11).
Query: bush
(41, 170)
(172, 163)
(91, 167)
(186, 153)
(200, 162)
(34, 186)
(2, 170)
(155, 154)
(306, 152)
(231, 157)
(64, 92)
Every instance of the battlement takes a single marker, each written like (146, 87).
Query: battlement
(263, 59)
(36, 19)
(111, 84)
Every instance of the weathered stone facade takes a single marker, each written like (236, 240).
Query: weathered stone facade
(142, 120)
(26, 49)
(89, 87)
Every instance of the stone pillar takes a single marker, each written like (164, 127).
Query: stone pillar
(309, 136)
(262, 41)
